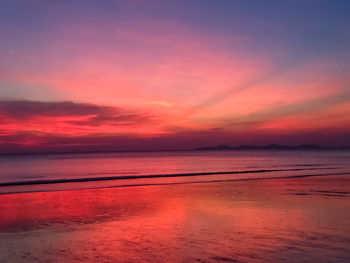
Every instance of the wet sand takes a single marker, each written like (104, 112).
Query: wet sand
(278, 220)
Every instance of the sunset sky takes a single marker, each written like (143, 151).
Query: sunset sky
(139, 75)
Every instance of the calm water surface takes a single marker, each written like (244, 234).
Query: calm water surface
(128, 169)
(226, 220)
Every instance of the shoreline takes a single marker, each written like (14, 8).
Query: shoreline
(240, 221)
(150, 176)
(63, 181)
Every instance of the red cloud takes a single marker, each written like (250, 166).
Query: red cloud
(71, 118)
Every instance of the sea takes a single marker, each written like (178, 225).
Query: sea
(56, 172)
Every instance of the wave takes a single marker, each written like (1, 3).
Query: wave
(131, 177)
(179, 183)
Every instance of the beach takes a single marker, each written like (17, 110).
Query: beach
(174, 131)
(265, 220)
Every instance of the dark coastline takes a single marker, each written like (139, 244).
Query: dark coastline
(277, 147)
(270, 147)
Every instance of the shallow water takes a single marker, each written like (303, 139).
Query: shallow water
(241, 221)
(51, 172)
(176, 207)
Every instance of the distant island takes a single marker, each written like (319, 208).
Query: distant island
(270, 147)
(221, 147)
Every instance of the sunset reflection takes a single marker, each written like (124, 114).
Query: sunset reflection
(231, 221)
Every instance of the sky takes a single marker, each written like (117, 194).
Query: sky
(150, 75)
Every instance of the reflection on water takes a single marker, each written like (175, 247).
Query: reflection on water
(257, 221)
(83, 171)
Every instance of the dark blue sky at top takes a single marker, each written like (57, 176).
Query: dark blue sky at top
(305, 27)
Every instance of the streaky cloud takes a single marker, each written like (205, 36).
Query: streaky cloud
(95, 114)
(290, 109)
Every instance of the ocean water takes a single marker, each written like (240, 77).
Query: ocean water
(50, 172)
(298, 220)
